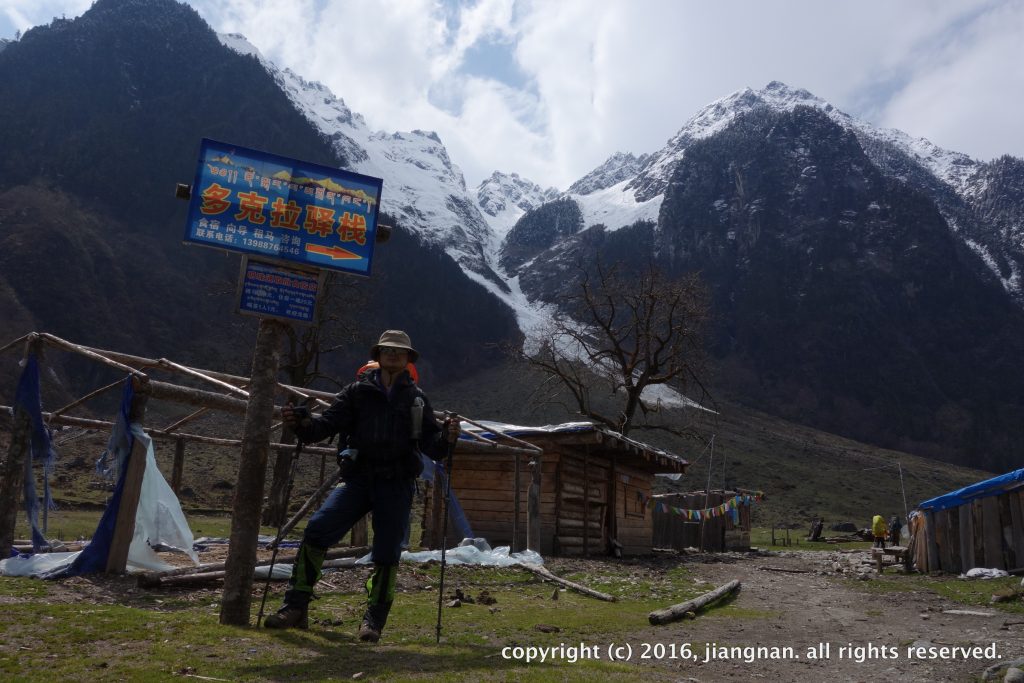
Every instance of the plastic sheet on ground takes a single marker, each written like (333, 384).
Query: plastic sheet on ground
(282, 572)
(470, 551)
(984, 573)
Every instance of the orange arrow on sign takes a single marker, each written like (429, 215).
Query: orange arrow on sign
(336, 253)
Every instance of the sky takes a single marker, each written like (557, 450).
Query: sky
(549, 89)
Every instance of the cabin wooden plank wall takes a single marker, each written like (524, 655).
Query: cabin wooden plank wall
(672, 531)
(583, 489)
(988, 532)
(635, 518)
(485, 487)
(590, 494)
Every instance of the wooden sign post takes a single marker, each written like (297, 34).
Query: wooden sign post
(252, 471)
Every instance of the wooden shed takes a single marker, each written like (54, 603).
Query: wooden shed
(591, 491)
(981, 525)
(723, 524)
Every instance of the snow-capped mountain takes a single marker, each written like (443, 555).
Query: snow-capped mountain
(626, 189)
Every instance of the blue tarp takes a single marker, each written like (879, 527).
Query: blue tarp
(28, 399)
(983, 489)
(93, 558)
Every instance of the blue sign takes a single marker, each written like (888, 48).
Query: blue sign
(273, 291)
(263, 204)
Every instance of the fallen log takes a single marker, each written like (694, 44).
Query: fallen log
(155, 579)
(783, 569)
(545, 574)
(206, 577)
(677, 612)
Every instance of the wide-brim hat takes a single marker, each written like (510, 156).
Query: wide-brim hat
(395, 339)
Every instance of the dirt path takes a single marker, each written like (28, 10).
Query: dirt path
(803, 610)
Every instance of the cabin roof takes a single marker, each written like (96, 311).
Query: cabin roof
(982, 489)
(581, 434)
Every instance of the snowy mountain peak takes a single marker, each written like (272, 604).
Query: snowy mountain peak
(423, 189)
(504, 198)
(618, 167)
(953, 168)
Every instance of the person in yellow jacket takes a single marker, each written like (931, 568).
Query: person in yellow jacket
(878, 530)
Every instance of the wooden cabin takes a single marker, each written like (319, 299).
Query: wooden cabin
(676, 528)
(591, 491)
(981, 525)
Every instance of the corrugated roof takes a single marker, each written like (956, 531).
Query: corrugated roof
(656, 456)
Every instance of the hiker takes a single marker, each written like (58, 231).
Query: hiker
(383, 422)
(878, 530)
(816, 528)
(895, 526)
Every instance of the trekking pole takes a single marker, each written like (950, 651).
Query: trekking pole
(297, 517)
(444, 525)
(281, 529)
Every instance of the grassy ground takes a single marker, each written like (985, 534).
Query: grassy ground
(105, 629)
(163, 634)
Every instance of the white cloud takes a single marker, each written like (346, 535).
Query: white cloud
(968, 96)
(600, 76)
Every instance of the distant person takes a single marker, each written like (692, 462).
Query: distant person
(878, 530)
(816, 528)
(895, 526)
(384, 422)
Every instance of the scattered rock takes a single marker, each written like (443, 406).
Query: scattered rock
(554, 595)
(547, 628)
(485, 598)
(455, 603)
(1014, 675)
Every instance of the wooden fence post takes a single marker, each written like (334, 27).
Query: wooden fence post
(533, 507)
(360, 534)
(516, 505)
(252, 474)
(11, 477)
(124, 526)
(179, 465)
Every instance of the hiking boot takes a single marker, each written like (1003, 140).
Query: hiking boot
(289, 616)
(368, 633)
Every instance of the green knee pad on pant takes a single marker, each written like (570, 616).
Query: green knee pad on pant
(380, 593)
(306, 571)
(380, 587)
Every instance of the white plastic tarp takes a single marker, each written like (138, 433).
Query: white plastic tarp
(159, 521)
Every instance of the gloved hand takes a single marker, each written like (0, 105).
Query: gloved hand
(451, 429)
(347, 461)
(296, 416)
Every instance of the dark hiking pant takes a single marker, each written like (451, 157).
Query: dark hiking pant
(390, 500)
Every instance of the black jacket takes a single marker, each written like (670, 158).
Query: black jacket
(378, 424)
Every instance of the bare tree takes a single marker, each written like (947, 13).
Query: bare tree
(628, 333)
